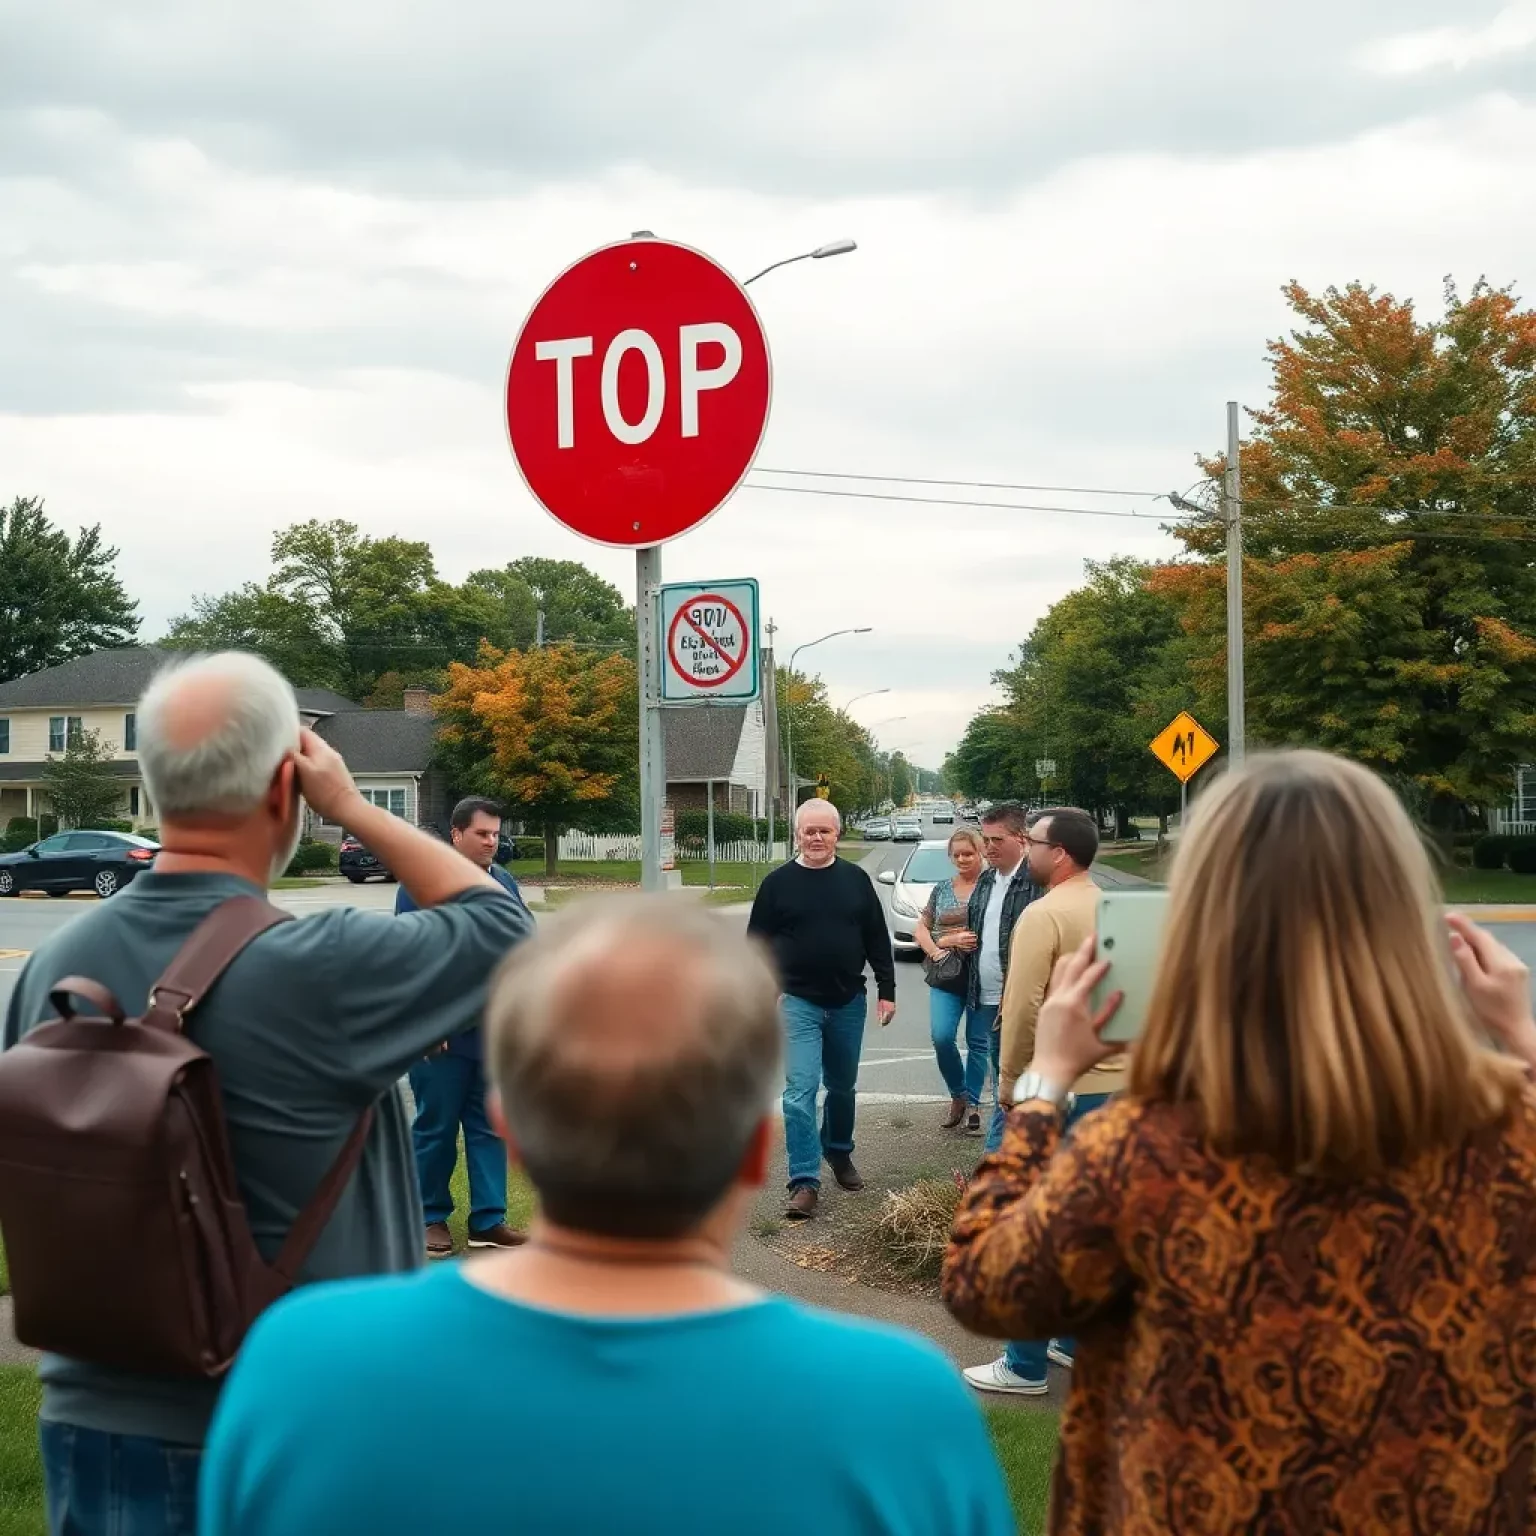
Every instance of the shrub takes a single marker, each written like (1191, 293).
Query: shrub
(47, 825)
(105, 825)
(311, 857)
(20, 832)
(730, 827)
(1490, 852)
(527, 847)
(1522, 855)
(152, 833)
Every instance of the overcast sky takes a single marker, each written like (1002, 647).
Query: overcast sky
(264, 263)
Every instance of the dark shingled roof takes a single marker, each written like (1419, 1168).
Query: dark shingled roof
(380, 740)
(701, 742)
(104, 677)
(323, 701)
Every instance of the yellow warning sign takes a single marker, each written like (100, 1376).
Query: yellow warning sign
(823, 788)
(1185, 747)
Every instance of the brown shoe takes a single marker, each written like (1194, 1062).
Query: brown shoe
(803, 1201)
(956, 1114)
(499, 1236)
(439, 1241)
(973, 1123)
(846, 1174)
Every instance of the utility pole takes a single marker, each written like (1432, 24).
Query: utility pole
(1232, 509)
(771, 743)
(538, 631)
(653, 771)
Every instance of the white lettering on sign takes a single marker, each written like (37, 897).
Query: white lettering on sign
(562, 354)
(655, 386)
(693, 380)
(696, 379)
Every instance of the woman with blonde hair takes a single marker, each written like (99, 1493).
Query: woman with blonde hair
(1299, 1254)
(944, 935)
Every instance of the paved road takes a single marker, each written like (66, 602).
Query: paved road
(897, 1061)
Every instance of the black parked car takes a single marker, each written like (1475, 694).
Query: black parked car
(358, 864)
(103, 862)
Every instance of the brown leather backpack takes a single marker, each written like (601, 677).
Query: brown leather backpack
(127, 1239)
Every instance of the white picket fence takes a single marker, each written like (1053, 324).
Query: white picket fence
(603, 845)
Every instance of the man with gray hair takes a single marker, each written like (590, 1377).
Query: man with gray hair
(612, 1374)
(824, 923)
(313, 1022)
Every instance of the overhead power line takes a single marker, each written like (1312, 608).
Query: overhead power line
(974, 485)
(959, 501)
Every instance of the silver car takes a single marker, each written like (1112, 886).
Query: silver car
(907, 829)
(926, 865)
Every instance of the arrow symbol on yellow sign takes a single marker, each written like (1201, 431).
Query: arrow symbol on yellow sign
(1184, 747)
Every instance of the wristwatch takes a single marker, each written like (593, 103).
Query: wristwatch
(1033, 1086)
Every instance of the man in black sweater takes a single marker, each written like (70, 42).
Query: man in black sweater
(823, 921)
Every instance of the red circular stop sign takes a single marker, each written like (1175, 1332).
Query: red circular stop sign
(638, 392)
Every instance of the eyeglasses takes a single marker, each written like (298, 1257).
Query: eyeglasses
(1041, 842)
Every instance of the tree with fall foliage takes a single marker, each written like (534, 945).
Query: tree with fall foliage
(552, 733)
(1389, 523)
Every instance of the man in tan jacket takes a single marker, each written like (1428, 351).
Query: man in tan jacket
(1061, 846)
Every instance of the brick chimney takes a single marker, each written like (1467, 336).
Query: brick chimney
(418, 701)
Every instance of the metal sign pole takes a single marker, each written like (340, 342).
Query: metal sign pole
(709, 790)
(1183, 803)
(653, 771)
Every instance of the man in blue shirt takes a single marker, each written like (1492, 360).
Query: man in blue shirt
(612, 1375)
(449, 1086)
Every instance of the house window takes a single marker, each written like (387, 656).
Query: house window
(62, 729)
(5, 735)
(130, 733)
(133, 795)
(1525, 793)
(391, 800)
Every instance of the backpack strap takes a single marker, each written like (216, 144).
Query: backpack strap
(310, 1222)
(204, 957)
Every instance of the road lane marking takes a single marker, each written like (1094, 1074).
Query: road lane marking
(14, 954)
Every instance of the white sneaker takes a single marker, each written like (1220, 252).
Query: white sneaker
(1058, 1356)
(998, 1376)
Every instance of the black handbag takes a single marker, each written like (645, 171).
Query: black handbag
(947, 973)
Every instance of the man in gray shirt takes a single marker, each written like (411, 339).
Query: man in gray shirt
(313, 1022)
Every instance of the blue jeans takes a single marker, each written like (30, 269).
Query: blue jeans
(117, 1485)
(821, 1044)
(945, 1010)
(450, 1092)
(1027, 1357)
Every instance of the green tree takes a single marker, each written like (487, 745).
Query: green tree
(80, 781)
(901, 779)
(291, 635)
(826, 741)
(59, 597)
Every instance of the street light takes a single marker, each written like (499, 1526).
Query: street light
(835, 248)
(859, 697)
(789, 713)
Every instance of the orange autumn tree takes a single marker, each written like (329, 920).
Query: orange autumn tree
(1389, 515)
(551, 733)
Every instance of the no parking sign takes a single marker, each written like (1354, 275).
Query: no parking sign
(709, 632)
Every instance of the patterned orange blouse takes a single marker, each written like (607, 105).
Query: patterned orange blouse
(1261, 1353)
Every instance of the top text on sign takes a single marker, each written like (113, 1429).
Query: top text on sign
(638, 392)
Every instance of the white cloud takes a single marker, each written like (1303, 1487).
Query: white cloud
(1511, 31)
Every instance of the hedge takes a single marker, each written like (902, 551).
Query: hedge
(1490, 852)
(20, 832)
(1522, 855)
(310, 857)
(730, 827)
(109, 826)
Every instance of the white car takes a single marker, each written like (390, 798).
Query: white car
(926, 865)
(944, 813)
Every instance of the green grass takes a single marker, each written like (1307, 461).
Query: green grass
(21, 1467)
(1494, 886)
(295, 883)
(1143, 862)
(1025, 1443)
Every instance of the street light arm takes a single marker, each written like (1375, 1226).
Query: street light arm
(832, 248)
